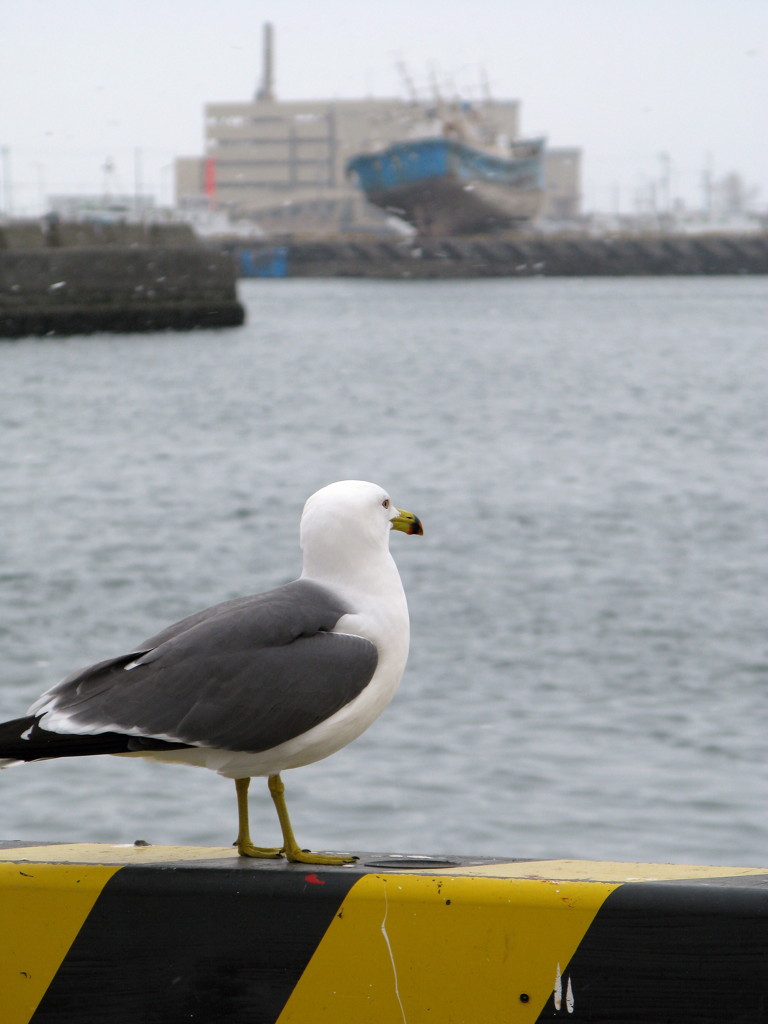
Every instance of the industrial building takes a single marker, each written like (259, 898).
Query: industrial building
(282, 163)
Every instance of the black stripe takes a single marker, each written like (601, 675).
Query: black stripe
(171, 944)
(659, 952)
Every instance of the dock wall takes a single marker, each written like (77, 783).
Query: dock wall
(75, 279)
(111, 934)
(514, 256)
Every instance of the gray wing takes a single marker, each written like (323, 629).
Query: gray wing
(244, 675)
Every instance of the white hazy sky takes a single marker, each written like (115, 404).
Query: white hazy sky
(625, 80)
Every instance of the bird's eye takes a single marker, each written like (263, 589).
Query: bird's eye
(385, 503)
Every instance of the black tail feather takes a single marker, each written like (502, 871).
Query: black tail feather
(24, 740)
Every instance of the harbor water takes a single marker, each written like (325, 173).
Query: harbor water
(588, 672)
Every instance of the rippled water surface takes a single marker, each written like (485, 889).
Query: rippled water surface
(588, 674)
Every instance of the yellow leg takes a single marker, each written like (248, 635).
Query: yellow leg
(243, 842)
(291, 848)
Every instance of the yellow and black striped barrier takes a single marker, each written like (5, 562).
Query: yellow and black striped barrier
(100, 934)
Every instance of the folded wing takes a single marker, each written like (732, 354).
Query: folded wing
(245, 675)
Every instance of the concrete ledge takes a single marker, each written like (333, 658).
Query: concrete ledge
(43, 234)
(98, 933)
(82, 290)
(178, 316)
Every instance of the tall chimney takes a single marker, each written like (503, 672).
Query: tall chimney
(265, 92)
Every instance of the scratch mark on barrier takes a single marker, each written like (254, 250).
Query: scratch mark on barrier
(391, 954)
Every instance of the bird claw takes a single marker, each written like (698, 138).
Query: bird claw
(249, 850)
(298, 856)
(293, 854)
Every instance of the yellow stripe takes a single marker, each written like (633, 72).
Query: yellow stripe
(115, 853)
(576, 870)
(42, 908)
(418, 948)
(601, 871)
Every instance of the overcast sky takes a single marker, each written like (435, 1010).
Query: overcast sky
(626, 80)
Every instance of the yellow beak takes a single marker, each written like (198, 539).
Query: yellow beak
(407, 522)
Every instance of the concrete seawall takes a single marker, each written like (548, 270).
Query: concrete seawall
(80, 279)
(121, 934)
(518, 256)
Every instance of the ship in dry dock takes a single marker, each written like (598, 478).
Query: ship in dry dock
(453, 184)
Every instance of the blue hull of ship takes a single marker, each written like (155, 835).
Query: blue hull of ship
(449, 187)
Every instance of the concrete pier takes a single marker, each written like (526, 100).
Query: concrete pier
(84, 278)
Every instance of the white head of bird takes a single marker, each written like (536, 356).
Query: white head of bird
(345, 529)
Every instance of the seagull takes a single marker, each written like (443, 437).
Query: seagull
(255, 685)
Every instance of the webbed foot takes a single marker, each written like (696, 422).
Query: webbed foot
(298, 856)
(247, 849)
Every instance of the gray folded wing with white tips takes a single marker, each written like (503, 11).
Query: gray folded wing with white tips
(246, 675)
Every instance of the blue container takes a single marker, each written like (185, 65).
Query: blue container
(264, 262)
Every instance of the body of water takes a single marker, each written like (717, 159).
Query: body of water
(588, 676)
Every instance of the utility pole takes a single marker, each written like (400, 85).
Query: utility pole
(707, 184)
(7, 200)
(665, 183)
(137, 183)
